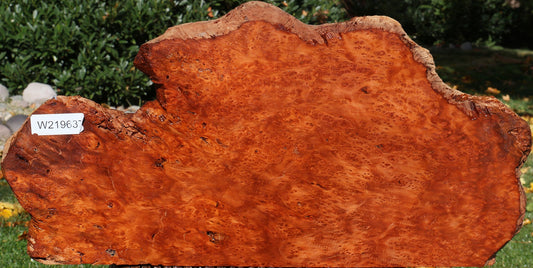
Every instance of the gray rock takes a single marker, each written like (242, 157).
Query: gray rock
(15, 122)
(5, 132)
(17, 100)
(466, 46)
(4, 93)
(37, 93)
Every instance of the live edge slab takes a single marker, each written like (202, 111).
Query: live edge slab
(275, 143)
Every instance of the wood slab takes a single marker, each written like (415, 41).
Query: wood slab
(275, 143)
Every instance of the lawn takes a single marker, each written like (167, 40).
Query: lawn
(505, 74)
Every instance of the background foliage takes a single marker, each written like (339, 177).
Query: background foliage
(485, 22)
(87, 47)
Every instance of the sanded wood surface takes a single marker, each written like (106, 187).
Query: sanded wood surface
(275, 143)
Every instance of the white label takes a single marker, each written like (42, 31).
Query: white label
(56, 124)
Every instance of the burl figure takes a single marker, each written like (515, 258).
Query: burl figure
(276, 143)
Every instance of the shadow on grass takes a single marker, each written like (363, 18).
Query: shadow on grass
(504, 73)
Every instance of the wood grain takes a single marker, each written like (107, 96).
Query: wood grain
(275, 143)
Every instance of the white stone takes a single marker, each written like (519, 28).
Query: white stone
(37, 93)
(4, 93)
(132, 109)
(17, 100)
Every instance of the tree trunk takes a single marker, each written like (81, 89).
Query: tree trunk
(275, 143)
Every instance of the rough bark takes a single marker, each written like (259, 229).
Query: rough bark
(275, 143)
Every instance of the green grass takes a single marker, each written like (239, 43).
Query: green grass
(13, 249)
(473, 71)
(6, 195)
(510, 71)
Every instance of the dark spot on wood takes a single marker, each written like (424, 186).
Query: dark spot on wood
(319, 185)
(215, 237)
(282, 27)
(111, 252)
(20, 157)
(51, 212)
(221, 143)
(159, 162)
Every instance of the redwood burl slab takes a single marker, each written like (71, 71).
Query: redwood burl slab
(275, 143)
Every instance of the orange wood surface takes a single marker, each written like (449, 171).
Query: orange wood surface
(275, 143)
